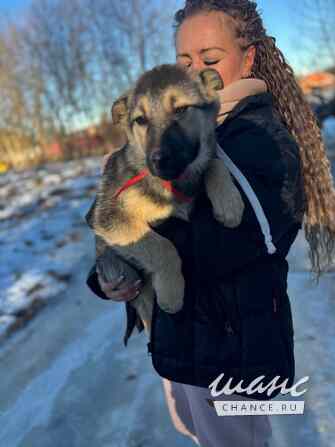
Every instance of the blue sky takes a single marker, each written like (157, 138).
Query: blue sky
(280, 18)
(12, 5)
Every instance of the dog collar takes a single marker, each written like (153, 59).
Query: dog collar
(166, 184)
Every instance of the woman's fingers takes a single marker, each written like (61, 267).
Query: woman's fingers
(126, 295)
(121, 295)
(120, 290)
(110, 284)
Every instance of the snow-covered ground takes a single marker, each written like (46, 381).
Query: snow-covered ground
(67, 379)
(329, 134)
(43, 234)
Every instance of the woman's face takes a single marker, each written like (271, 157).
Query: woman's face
(207, 40)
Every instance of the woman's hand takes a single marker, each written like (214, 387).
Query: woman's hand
(119, 280)
(120, 290)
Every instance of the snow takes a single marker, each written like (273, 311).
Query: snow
(43, 233)
(312, 309)
(328, 132)
(75, 351)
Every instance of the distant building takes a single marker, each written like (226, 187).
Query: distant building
(319, 85)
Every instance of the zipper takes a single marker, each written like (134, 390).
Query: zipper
(275, 288)
(230, 304)
(274, 305)
(228, 328)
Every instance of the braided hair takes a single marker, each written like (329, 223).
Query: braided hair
(289, 101)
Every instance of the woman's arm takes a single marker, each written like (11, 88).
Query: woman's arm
(112, 278)
(93, 283)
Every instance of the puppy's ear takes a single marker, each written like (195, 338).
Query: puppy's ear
(117, 137)
(120, 108)
(211, 79)
(90, 216)
(118, 130)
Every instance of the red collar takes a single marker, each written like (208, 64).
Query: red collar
(166, 184)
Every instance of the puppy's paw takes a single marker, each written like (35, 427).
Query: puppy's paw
(171, 309)
(229, 210)
(170, 293)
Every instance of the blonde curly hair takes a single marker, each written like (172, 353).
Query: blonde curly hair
(270, 65)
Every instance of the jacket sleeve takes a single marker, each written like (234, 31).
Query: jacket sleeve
(92, 277)
(93, 283)
(271, 164)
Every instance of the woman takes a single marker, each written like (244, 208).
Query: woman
(236, 317)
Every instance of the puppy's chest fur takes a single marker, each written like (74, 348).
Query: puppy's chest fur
(145, 201)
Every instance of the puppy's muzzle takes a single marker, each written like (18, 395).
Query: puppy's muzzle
(162, 165)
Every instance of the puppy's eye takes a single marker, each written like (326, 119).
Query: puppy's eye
(179, 111)
(141, 121)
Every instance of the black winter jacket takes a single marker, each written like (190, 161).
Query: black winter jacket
(236, 317)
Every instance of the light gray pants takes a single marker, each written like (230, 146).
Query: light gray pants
(194, 417)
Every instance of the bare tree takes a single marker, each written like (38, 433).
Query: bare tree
(65, 62)
(129, 38)
(315, 29)
(16, 127)
(88, 51)
(316, 47)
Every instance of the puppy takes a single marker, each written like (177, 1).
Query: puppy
(169, 118)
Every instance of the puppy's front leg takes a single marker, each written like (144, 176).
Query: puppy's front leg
(226, 199)
(156, 255)
(111, 266)
(144, 304)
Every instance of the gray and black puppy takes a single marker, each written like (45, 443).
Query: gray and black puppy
(169, 118)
